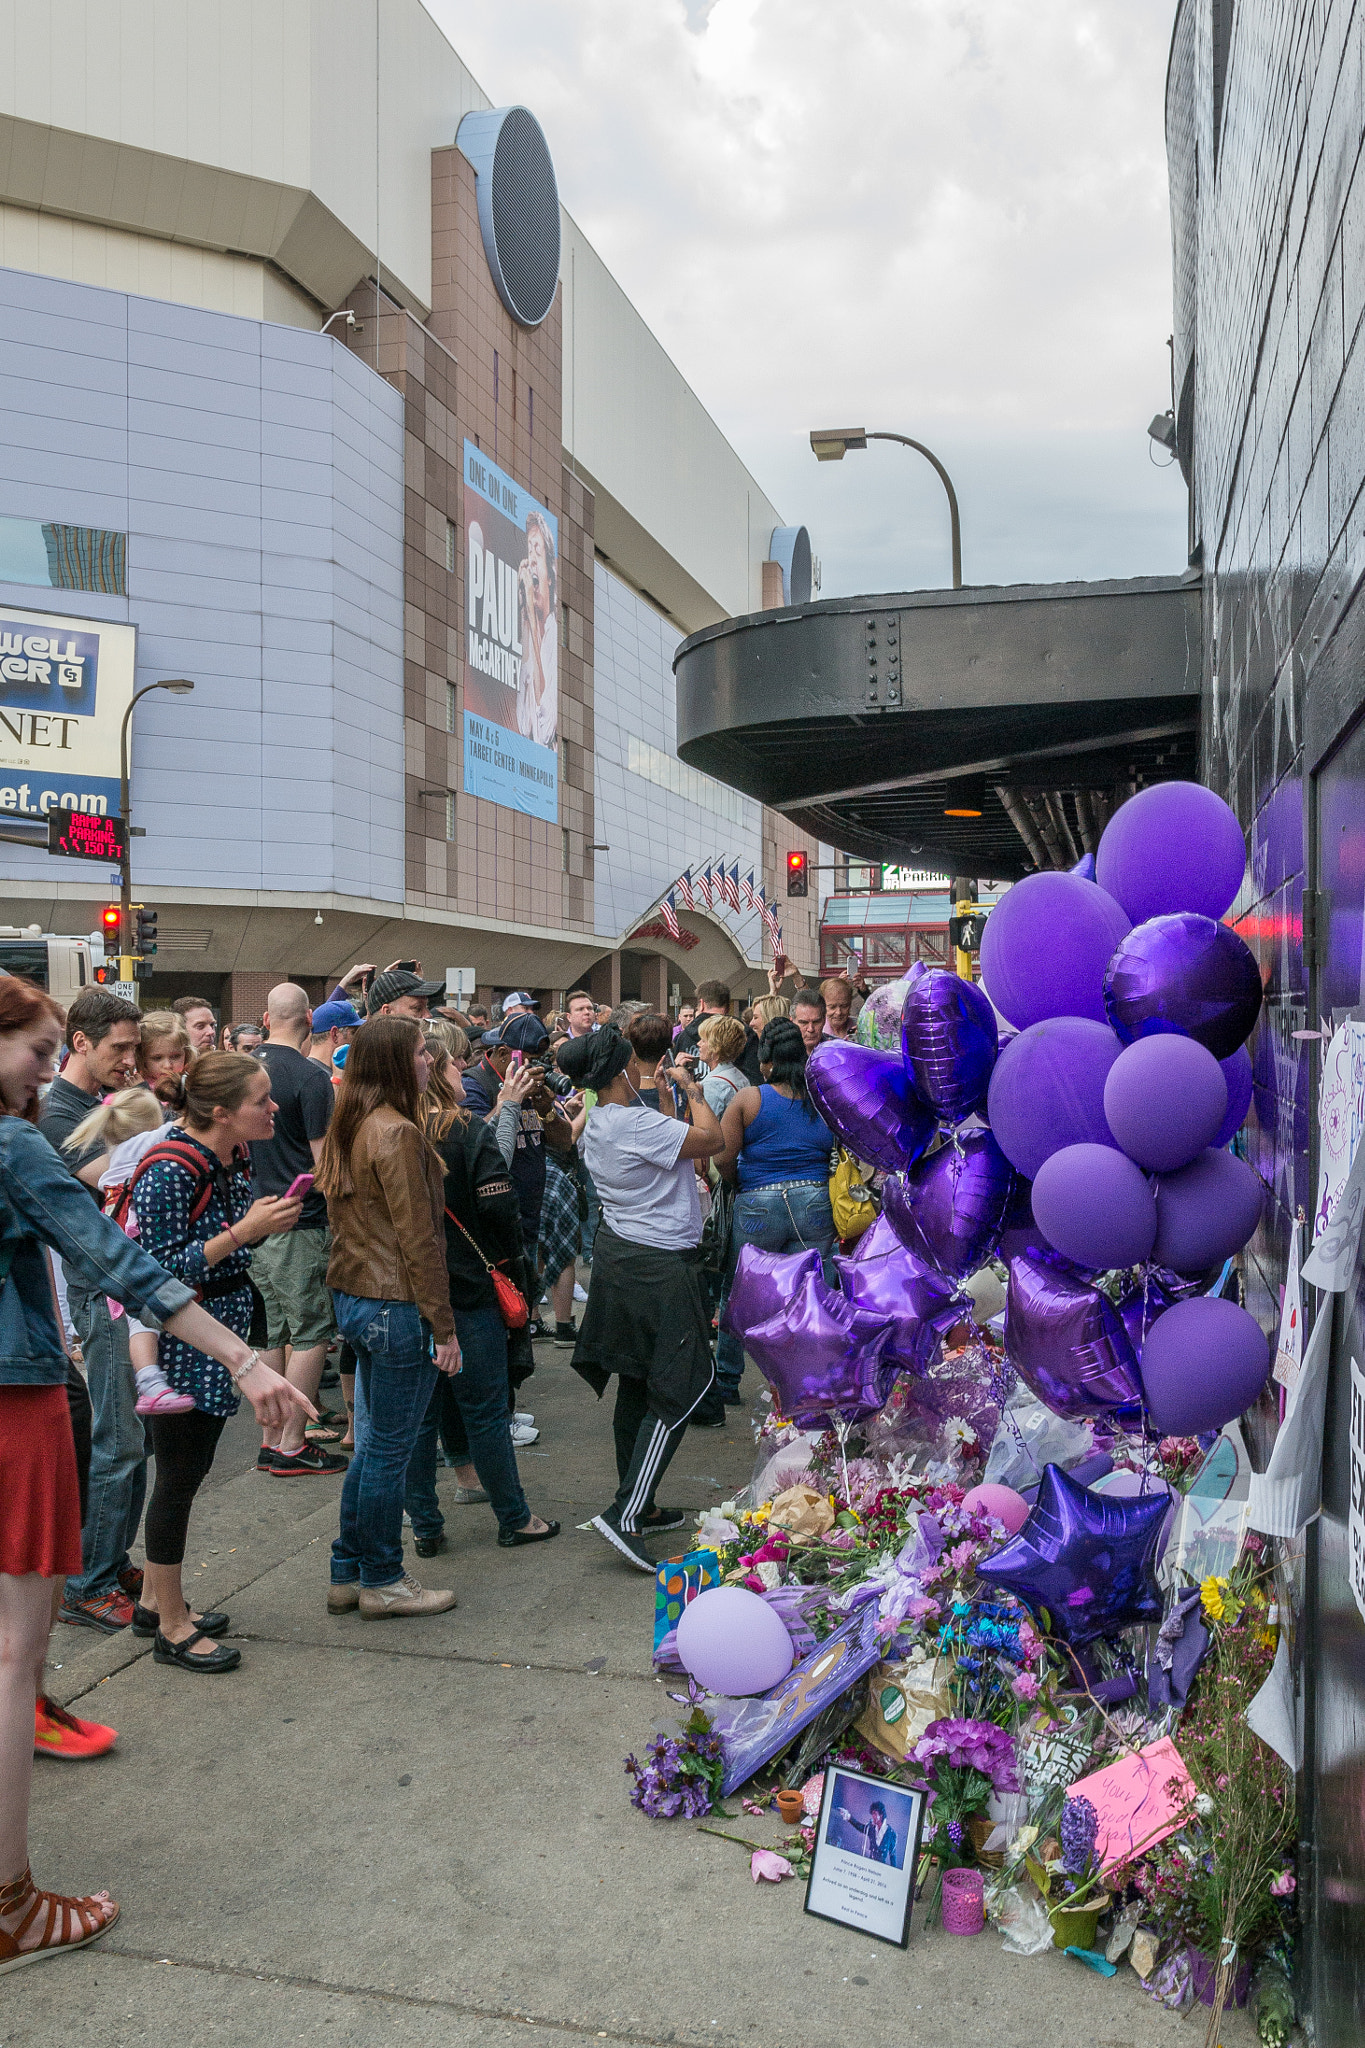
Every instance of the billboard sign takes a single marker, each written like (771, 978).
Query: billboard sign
(64, 687)
(511, 669)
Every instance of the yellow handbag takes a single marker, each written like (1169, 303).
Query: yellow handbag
(851, 1198)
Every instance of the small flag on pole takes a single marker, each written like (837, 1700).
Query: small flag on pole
(703, 885)
(669, 912)
(747, 888)
(729, 883)
(684, 889)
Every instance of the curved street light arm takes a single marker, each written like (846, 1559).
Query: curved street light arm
(929, 456)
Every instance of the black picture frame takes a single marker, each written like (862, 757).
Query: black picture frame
(836, 1869)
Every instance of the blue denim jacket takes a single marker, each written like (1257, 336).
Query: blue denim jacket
(41, 1203)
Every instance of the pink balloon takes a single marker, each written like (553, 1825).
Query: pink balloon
(731, 1641)
(1003, 1502)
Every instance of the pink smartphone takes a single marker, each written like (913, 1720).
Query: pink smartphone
(518, 1059)
(298, 1187)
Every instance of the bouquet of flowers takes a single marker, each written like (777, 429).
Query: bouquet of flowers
(963, 1763)
(681, 1774)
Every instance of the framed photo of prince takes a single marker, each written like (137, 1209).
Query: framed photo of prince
(866, 1851)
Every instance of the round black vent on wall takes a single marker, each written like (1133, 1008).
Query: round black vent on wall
(518, 207)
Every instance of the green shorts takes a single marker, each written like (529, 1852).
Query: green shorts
(291, 1272)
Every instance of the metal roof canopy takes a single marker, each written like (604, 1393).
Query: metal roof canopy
(856, 716)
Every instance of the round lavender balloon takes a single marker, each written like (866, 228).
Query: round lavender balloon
(1205, 1363)
(1067, 1344)
(1184, 973)
(950, 1209)
(1206, 1212)
(948, 1043)
(821, 1356)
(1165, 1099)
(1095, 1206)
(1048, 1090)
(922, 1304)
(879, 1020)
(1045, 946)
(763, 1284)
(1175, 846)
(867, 1099)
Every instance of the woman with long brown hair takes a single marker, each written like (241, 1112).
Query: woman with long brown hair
(42, 1205)
(384, 1186)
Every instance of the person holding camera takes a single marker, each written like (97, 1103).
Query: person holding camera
(492, 1085)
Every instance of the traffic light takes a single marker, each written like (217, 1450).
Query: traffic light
(798, 873)
(145, 943)
(111, 918)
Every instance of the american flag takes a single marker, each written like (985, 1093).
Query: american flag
(768, 912)
(747, 889)
(703, 885)
(729, 884)
(683, 885)
(668, 910)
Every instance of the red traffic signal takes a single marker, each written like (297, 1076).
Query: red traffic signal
(111, 917)
(798, 872)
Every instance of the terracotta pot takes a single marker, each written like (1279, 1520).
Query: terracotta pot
(790, 1807)
(1074, 1926)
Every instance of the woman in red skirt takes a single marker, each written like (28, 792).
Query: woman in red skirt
(40, 1519)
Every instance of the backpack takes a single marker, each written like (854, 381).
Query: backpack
(184, 1154)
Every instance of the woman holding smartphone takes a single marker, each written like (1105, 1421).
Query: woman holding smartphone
(384, 1182)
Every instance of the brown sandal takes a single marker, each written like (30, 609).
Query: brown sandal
(62, 1923)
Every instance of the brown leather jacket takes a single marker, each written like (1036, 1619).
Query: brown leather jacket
(388, 1238)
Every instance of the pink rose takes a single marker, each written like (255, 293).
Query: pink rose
(1025, 1686)
(1283, 1885)
(768, 1864)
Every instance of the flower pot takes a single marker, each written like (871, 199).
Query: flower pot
(1204, 1976)
(1074, 1926)
(791, 1808)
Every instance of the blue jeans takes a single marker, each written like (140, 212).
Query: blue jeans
(594, 1216)
(794, 1218)
(118, 1446)
(479, 1392)
(394, 1376)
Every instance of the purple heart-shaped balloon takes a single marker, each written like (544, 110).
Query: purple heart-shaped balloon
(921, 1303)
(949, 1210)
(949, 1041)
(1067, 1343)
(763, 1284)
(820, 1356)
(866, 1099)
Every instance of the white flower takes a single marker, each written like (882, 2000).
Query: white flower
(959, 1431)
(770, 1572)
(715, 1528)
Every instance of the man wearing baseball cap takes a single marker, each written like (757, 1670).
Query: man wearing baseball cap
(519, 1003)
(397, 992)
(335, 1024)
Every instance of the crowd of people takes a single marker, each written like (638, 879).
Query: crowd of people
(193, 1213)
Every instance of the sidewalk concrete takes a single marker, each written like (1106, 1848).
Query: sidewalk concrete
(342, 1842)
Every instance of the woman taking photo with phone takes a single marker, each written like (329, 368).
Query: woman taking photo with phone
(42, 1205)
(384, 1183)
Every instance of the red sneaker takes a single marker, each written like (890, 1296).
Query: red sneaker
(58, 1733)
(108, 1612)
(130, 1578)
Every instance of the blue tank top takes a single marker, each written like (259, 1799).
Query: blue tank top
(785, 1141)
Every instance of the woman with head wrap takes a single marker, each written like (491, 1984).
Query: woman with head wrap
(646, 1320)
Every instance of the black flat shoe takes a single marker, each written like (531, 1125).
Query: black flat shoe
(512, 1539)
(145, 1623)
(221, 1657)
(430, 1546)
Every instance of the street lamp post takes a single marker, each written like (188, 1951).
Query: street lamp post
(179, 686)
(831, 444)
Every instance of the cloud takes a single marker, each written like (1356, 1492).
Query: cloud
(945, 219)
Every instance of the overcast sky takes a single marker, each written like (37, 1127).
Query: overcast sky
(944, 217)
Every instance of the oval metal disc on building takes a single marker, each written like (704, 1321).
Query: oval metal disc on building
(518, 207)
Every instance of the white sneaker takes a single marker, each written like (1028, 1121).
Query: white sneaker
(524, 1415)
(580, 1293)
(523, 1434)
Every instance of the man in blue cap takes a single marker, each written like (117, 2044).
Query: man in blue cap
(335, 1024)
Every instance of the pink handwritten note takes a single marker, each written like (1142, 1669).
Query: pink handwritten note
(1139, 1801)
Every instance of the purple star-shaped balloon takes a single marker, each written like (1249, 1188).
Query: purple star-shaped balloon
(1087, 1558)
(763, 1284)
(821, 1356)
(922, 1303)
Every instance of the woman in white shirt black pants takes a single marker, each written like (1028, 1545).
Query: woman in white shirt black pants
(646, 1319)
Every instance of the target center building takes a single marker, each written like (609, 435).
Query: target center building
(308, 377)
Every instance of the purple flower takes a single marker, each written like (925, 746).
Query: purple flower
(1080, 1826)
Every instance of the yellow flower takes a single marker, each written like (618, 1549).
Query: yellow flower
(1211, 1593)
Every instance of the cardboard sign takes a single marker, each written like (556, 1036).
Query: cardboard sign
(753, 1730)
(1135, 1802)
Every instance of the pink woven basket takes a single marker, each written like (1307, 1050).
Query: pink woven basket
(964, 1907)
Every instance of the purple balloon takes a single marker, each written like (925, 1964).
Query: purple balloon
(1206, 1212)
(1164, 1101)
(1158, 1290)
(879, 1020)
(821, 1356)
(1085, 867)
(1184, 974)
(763, 1285)
(949, 1209)
(1095, 1206)
(732, 1642)
(922, 1304)
(1067, 1344)
(948, 1043)
(1237, 1074)
(866, 1099)
(1085, 1557)
(1204, 1364)
(879, 1242)
(1045, 948)
(1176, 846)
(1048, 1090)
(1021, 1232)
